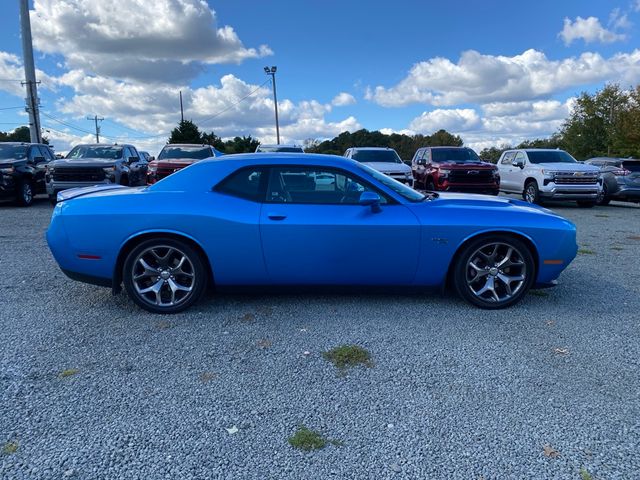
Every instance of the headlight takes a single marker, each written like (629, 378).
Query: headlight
(8, 170)
(548, 173)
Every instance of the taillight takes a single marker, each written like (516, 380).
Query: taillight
(623, 172)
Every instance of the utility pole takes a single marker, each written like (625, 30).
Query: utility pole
(181, 109)
(96, 119)
(272, 71)
(30, 74)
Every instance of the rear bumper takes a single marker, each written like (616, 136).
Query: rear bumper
(627, 193)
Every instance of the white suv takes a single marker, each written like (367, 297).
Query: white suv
(385, 160)
(541, 174)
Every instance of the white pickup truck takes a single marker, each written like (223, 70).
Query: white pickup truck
(541, 174)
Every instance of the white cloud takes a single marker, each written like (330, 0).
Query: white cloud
(478, 78)
(590, 30)
(343, 99)
(161, 40)
(457, 120)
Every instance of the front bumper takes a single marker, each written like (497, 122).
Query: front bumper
(554, 191)
(54, 187)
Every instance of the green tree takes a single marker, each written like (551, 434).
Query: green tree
(241, 145)
(186, 132)
(442, 138)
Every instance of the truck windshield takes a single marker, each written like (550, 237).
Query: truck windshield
(276, 148)
(95, 151)
(195, 153)
(550, 156)
(376, 156)
(454, 155)
(13, 152)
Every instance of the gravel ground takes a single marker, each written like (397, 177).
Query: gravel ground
(93, 387)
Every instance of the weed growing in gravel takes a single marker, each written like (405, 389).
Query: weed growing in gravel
(585, 251)
(584, 474)
(264, 343)
(347, 356)
(307, 440)
(10, 448)
(538, 293)
(69, 372)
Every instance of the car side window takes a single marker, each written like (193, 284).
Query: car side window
(520, 156)
(248, 183)
(316, 185)
(418, 156)
(46, 153)
(426, 155)
(508, 158)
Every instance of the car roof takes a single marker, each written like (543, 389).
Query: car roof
(452, 146)
(26, 144)
(187, 145)
(284, 158)
(104, 145)
(371, 148)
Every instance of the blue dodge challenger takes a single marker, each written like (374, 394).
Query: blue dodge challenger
(301, 219)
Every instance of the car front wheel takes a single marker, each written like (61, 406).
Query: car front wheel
(164, 275)
(494, 272)
(531, 192)
(25, 194)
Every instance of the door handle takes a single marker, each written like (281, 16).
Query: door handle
(276, 216)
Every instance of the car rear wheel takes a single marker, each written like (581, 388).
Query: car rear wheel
(163, 275)
(494, 272)
(531, 192)
(25, 194)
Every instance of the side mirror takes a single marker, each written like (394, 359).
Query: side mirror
(421, 161)
(133, 159)
(518, 163)
(151, 159)
(370, 199)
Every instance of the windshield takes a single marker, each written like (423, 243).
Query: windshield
(550, 156)
(13, 152)
(400, 188)
(454, 155)
(95, 151)
(196, 153)
(378, 156)
(276, 148)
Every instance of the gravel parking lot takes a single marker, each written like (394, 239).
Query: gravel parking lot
(93, 387)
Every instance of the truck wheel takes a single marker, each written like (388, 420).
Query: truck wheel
(430, 186)
(604, 198)
(25, 194)
(531, 194)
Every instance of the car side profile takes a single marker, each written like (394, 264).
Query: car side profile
(97, 163)
(454, 169)
(620, 179)
(285, 219)
(176, 156)
(22, 170)
(544, 174)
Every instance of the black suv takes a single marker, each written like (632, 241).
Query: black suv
(95, 164)
(22, 170)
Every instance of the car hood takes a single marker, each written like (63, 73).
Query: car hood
(469, 200)
(84, 162)
(174, 162)
(389, 167)
(570, 167)
(8, 162)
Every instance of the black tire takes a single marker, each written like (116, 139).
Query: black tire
(588, 204)
(531, 193)
(25, 194)
(463, 273)
(194, 266)
(604, 199)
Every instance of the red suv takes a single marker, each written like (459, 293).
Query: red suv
(454, 169)
(175, 156)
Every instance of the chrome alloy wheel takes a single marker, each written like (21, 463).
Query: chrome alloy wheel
(496, 272)
(27, 193)
(163, 276)
(530, 193)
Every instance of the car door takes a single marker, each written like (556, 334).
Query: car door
(507, 180)
(138, 167)
(417, 167)
(316, 232)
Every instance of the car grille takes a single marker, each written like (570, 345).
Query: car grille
(165, 172)
(574, 179)
(471, 176)
(62, 174)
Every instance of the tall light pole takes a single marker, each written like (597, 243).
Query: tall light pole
(272, 71)
(30, 74)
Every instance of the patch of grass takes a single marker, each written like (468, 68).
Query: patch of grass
(69, 372)
(347, 356)
(584, 474)
(538, 293)
(163, 325)
(10, 448)
(307, 440)
(585, 251)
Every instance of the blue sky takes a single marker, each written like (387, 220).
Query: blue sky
(494, 71)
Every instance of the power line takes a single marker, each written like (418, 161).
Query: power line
(12, 108)
(236, 103)
(75, 127)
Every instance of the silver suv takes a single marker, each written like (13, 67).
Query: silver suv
(541, 174)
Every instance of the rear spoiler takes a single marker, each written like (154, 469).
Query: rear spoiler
(80, 191)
